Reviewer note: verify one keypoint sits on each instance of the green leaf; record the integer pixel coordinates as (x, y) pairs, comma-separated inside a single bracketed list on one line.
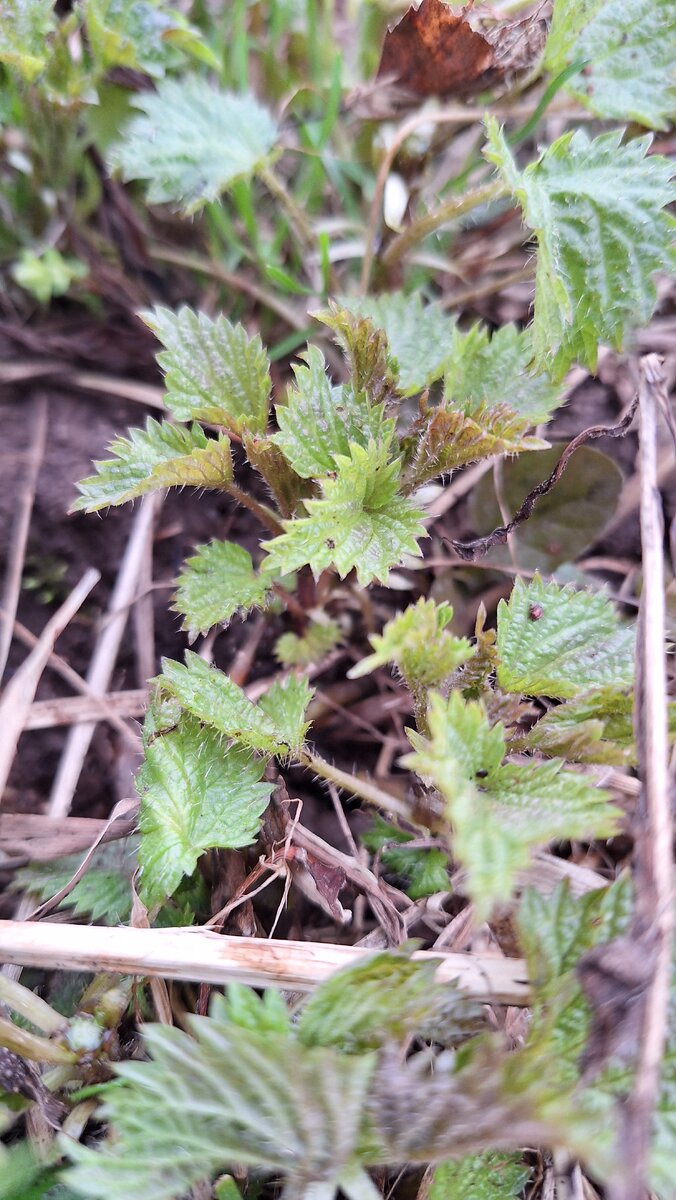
[(554, 641), (445, 438), (488, 1176), (556, 930), (193, 142), (496, 370), (500, 813), (160, 456), (360, 522), (628, 46), (213, 370), (594, 727), (366, 351), (419, 644), (103, 895), (244, 1007), (141, 35), (216, 582), (48, 274), (196, 793), (418, 335), (424, 872), (317, 641), (361, 1007), (565, 521), (25, 26), (597, 208), (318, 421), (274, 726), (239, 1096)]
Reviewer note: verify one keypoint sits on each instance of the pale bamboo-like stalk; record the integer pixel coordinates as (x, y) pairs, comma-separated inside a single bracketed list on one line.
[(201, 955)]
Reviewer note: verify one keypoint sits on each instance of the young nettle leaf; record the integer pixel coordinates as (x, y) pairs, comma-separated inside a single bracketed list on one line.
[(500, 812), (286, 485), (361, 522), (488, 1176), (275, 725), (102, 895), (418, 335), (363, 1006), (160, 456), (554, 641), (628, 49), (192, 142), (598, 210), (244, 1007), (319, 422), (496, 371), (317, 641), (594, 727), (366, 351), (142, 35), (25, 26), (424, 871), (445, 438), (238, 1096), (216, 582), (418, 642), (213, 370), (196, 793)]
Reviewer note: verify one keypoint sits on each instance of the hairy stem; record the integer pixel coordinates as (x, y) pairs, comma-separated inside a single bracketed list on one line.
[(355, 785), (265, 515), (432, 221), (299, 223)]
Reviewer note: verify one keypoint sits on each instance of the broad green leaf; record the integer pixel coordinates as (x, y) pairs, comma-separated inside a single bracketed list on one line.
[(196, 793), (160, 456), (488, 1176), (238, 1096), (418, 335), (496, 370), (594, 727), (191, 142), (359, 1008), (598, 210), (216, 582), (445, 438), (317, 641), (213, 370), (629, 47), (419, 644), (275, 726), (25, 26), (142, 35), (103, 895), (564, 522), (423, 871), (554, 641), (500, 812), (244, 1007), (361, 521), (319, 421)]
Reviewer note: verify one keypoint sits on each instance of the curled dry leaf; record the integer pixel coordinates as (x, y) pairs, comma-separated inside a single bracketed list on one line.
[(437, 51)]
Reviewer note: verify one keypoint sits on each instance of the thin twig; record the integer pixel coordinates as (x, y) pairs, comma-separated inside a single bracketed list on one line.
[(37, 424), (450, 211)]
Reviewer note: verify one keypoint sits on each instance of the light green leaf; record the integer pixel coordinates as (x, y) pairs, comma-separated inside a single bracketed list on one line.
[(630, 50), (160, 456), (554, 641), (366, 350), (360, 1007), (192, 142), (142, 35), (418, 335), (488, 1176), (424, 871), (419, 644), (103, 895), (239, 1096), (445, 438), (598, 210), (318, 421), (496, 370), (500, 813), (317, 641), (48, 274), (594, 727), (274, 726), (244, 1007), (216, 582), (361, 521), (25, 26), (196, 793), (213, 370)]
